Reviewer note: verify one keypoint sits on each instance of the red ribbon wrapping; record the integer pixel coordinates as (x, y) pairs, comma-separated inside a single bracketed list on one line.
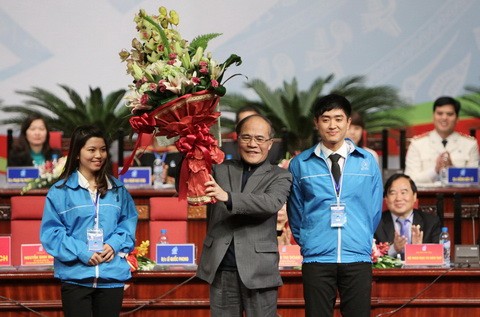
[(201, 151), (189, 117)]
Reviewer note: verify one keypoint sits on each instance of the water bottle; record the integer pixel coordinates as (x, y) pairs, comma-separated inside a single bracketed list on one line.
[(157, 173), (172, 164), (54, 160), (444, 171), (445, 241), (163, 237), (444, 176)]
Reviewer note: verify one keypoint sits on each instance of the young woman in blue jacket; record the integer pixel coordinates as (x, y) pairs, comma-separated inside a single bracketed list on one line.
[(88, 226)]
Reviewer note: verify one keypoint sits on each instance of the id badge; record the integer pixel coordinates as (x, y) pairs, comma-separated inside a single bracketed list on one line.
[(95, 239), (338, 215)]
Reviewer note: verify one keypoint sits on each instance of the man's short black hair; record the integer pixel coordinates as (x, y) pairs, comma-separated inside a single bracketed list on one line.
[(247, 108), (330, 102), (446, 100), (394, 177)]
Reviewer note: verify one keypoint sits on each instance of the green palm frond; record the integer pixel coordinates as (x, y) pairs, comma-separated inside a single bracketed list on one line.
[(270, 99), (471, 102), (202, 41), (290, 109), (308, 97), (64, 115)]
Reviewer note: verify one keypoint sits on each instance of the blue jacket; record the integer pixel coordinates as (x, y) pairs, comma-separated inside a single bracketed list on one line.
[(69, 212), (313, 193)]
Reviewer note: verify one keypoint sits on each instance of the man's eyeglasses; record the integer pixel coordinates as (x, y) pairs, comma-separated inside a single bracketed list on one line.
[(246, 138)]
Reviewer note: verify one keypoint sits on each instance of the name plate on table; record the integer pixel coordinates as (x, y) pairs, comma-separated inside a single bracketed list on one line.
[(136, 176), (462, 176), (5, 251), (424, 254), (21, 175), (176, 254), (35, 255), (289, 256)]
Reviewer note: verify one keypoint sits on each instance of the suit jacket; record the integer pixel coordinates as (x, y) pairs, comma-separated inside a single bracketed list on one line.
[(251, 222), (429, 224)]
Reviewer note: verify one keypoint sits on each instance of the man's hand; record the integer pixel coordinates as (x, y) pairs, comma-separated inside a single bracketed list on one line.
[(214, 190), (282, 217), (417, 234), (285, 237), (399, 242)]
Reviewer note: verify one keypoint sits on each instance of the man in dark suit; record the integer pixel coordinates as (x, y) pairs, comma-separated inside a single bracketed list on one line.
[(240, 252), (403, 224)]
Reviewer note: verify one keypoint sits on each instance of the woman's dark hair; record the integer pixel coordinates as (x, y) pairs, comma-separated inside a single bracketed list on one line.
[(80, 136), (21, 147)]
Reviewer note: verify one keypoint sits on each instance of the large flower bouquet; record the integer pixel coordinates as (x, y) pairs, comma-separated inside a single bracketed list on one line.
[(49, 172), (175, 93)]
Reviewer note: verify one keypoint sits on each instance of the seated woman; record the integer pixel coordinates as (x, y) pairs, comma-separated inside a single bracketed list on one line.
[(32, 147), (355, 133)]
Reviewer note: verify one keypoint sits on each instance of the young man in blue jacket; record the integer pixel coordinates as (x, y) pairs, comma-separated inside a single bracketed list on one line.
[(333, 209)]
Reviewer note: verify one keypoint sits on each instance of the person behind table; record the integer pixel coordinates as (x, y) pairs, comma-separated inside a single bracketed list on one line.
[(231, 148), (240, 252), (88, 226), (333, 218), (355, 133), (32, 147), (284, 233), (169, 155), (244, 112), (402, 223), (442, 147)]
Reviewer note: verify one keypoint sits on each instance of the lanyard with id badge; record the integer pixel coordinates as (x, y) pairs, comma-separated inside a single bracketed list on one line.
[(338, 215), (95, 234)]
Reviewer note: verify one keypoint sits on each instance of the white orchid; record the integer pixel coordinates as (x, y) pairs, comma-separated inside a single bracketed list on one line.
[(161, 58)]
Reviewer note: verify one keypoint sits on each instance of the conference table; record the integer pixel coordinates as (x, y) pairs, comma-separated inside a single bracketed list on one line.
[(425, 291)]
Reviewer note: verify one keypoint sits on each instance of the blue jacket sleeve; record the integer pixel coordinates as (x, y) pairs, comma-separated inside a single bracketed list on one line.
[(123, 238), (377, 195), (295, 203)]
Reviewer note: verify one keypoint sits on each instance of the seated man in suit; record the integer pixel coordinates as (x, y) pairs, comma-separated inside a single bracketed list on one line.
[(401, 223)]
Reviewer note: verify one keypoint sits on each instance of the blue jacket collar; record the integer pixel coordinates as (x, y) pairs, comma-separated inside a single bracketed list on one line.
[(72, 181), (353, 150)]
